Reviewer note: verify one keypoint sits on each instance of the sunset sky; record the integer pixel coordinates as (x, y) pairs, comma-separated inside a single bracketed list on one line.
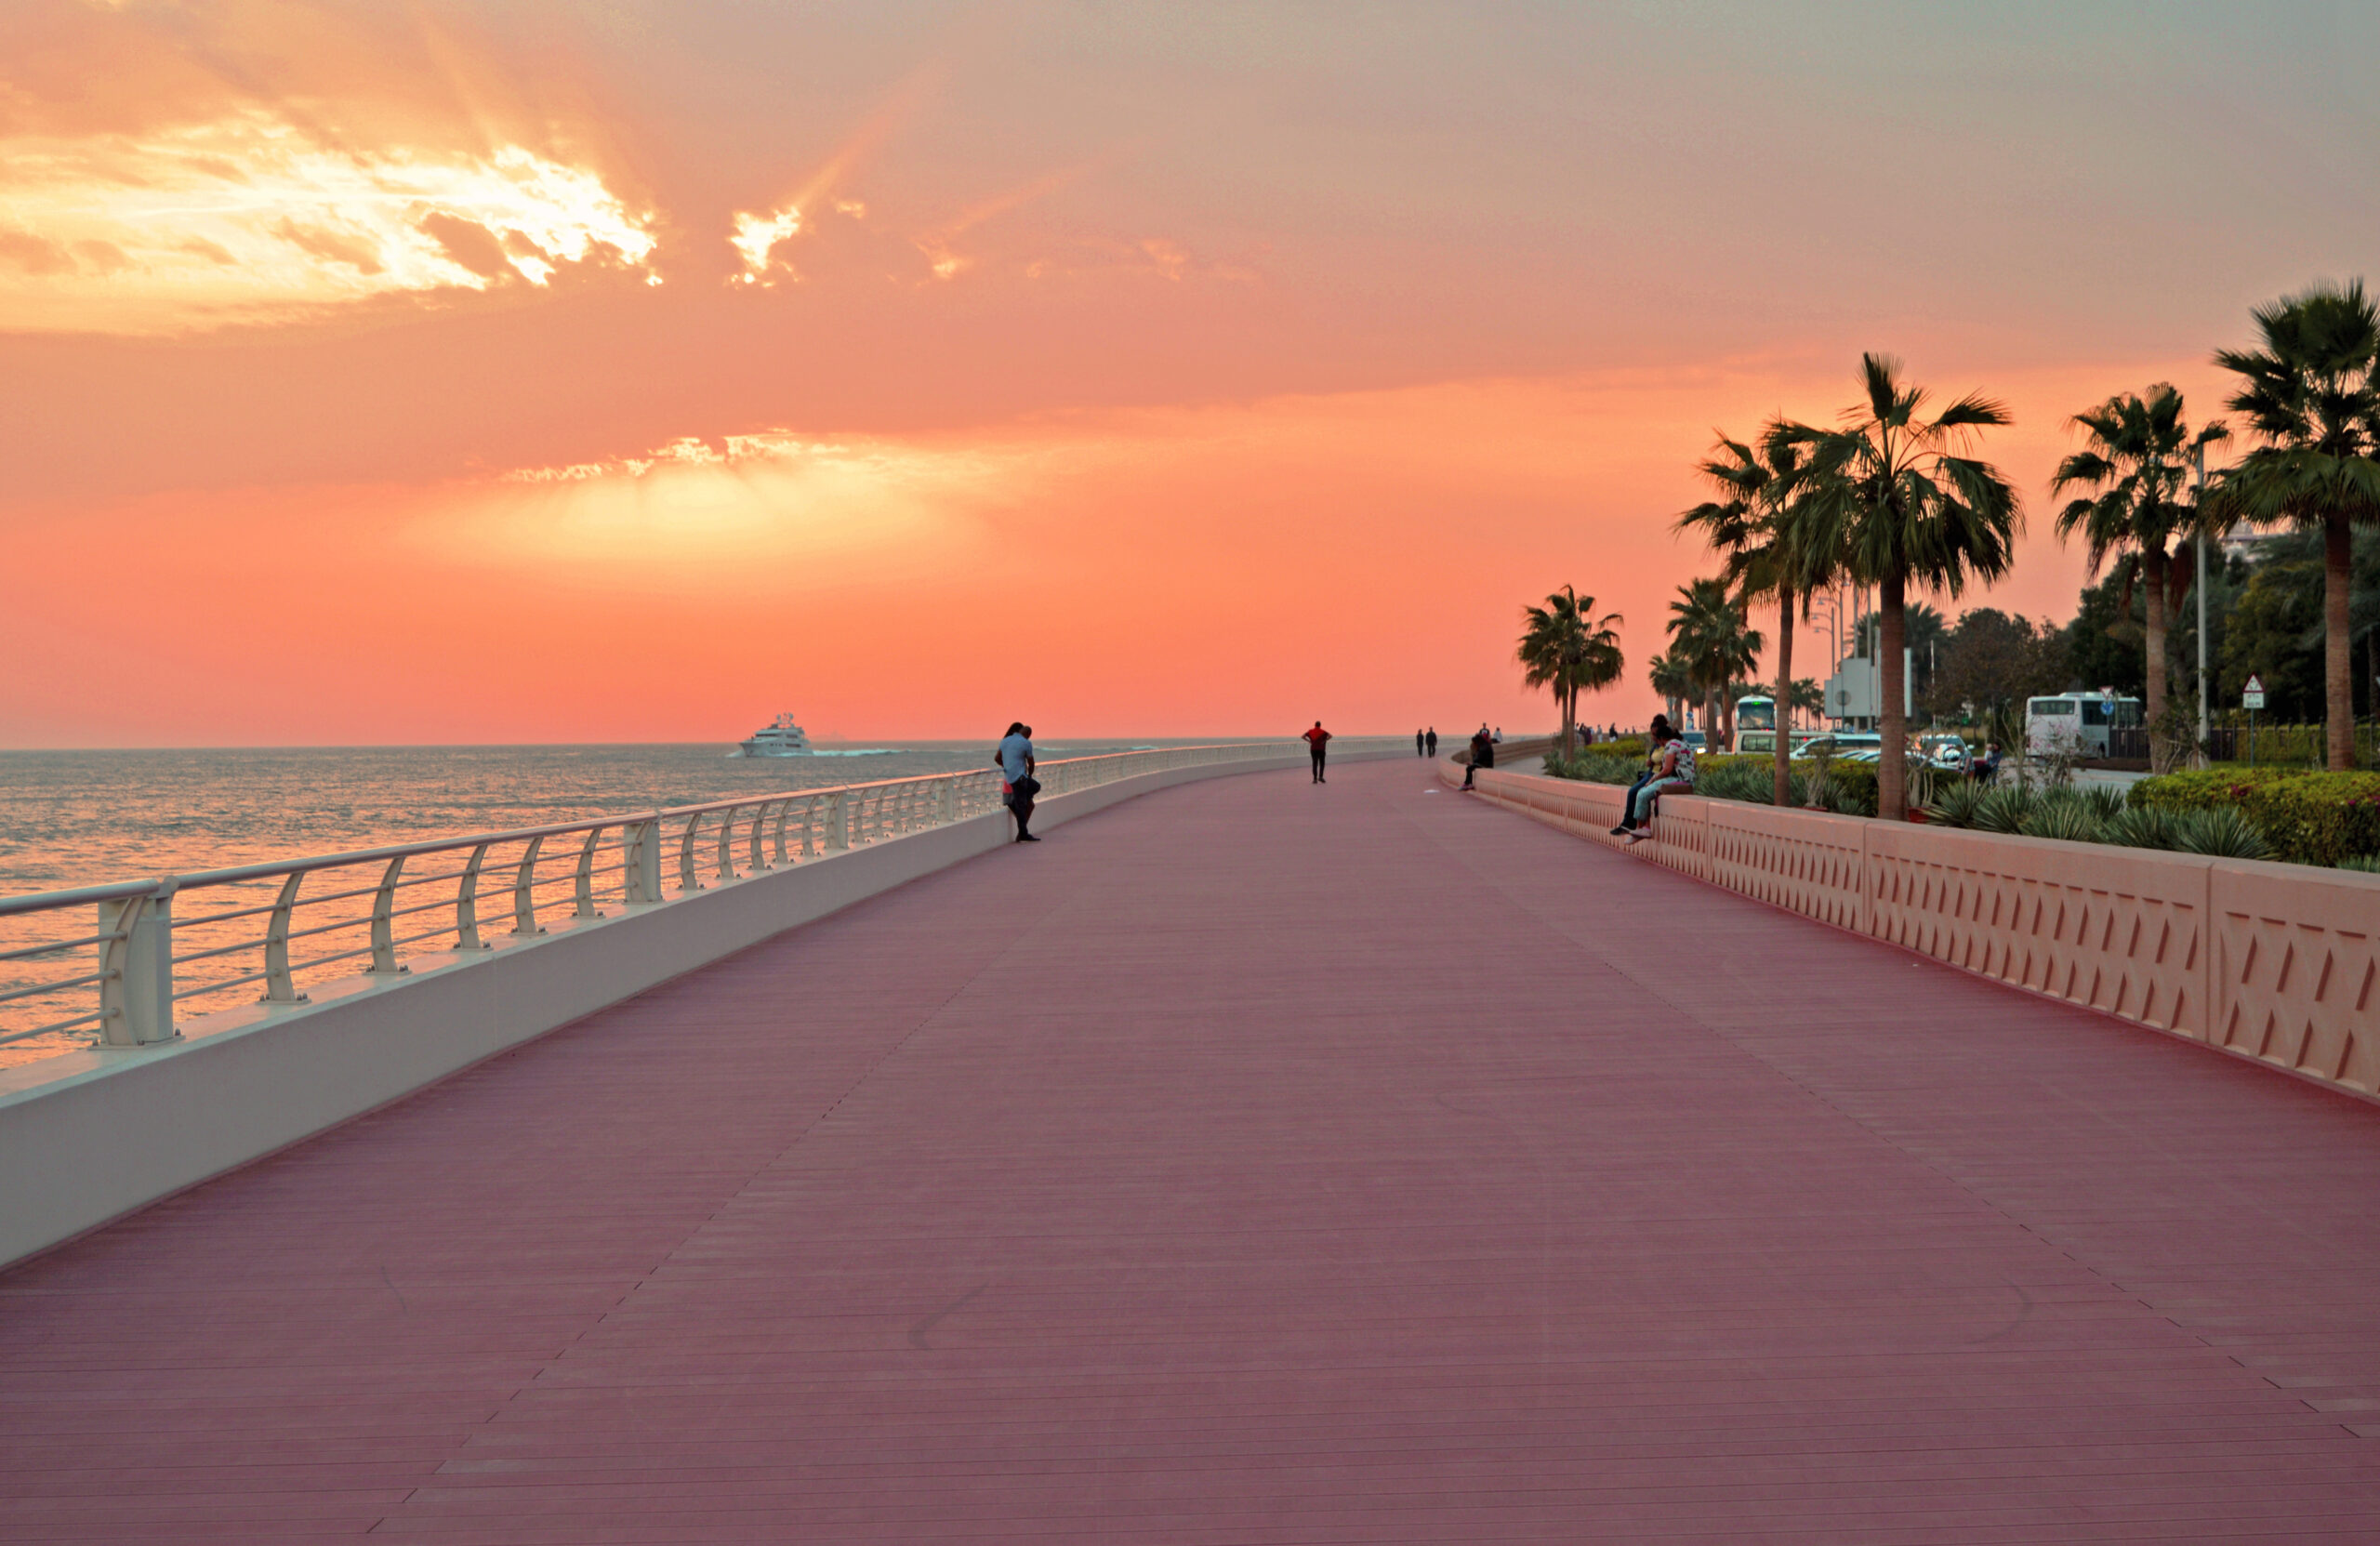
[(633, 369)]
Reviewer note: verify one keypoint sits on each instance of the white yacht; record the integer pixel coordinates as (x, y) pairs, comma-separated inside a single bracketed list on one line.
[(781, 737)]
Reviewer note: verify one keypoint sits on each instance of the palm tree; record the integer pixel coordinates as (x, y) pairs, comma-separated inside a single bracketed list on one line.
[(1670, 677), (1807, 697), (1710, 641), (1567, 648), (2135, 462), (2311, 396), (1759, 522), (1894, 498)]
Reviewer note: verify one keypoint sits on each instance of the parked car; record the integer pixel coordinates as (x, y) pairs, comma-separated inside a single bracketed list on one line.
[(1947, 753)]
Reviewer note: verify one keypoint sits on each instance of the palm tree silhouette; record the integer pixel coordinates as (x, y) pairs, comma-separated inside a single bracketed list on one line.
[(2311, 396), (1892, 494), (1760, 524), (2136, 456), (1668, 676), (1567, 648), (1710, 640)]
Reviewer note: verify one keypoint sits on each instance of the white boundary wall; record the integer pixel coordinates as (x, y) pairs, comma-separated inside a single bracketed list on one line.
[(90, 1136)]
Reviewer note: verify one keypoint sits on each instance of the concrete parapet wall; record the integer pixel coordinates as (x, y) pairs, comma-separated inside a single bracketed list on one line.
[(2275, 962), (90, 1136)]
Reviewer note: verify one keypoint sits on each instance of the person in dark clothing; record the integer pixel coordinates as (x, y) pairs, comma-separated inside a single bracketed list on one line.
[(1418, 750), (1316, 740), (1015, 761), (1483, 754), (1433, 741)]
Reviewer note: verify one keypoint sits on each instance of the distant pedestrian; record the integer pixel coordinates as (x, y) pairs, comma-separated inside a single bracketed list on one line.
[(1500, 736), (1316, 740), (1015, 760), (1418, 750), (1483, 754), (1434, 740)]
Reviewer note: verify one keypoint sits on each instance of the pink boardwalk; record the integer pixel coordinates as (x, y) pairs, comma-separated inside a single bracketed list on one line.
[(1256, 1162)]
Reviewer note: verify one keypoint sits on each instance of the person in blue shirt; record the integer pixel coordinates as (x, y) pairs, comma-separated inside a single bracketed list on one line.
[(1015, 760)]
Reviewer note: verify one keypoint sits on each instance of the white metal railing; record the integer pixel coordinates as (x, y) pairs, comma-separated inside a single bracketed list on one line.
[(287, 923)]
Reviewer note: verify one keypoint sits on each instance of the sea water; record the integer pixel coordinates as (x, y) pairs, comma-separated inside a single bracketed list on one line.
[(84, 818)]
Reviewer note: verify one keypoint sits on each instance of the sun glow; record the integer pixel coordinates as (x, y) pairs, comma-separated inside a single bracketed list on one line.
[(250, 218)]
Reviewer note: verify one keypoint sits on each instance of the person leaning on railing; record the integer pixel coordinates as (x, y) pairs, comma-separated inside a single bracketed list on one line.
[(1015, 760)]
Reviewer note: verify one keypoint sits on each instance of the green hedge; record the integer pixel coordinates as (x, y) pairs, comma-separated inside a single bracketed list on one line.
[(1748, 776), (2309, 818)]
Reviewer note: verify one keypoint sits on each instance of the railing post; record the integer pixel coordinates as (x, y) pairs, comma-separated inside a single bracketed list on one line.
[(584, 904), (760, 820), (137, 995), (278, 986), (467, 900), (949, 804), (838, 831), (524, 894), (384, 903), (643, 863), (726, 857), (686, 881)]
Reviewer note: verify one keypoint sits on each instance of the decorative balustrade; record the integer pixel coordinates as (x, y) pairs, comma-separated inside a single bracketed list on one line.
[(275, 927), (2276, 962)]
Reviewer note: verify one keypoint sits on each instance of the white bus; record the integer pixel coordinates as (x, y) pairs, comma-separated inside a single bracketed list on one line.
[(1755, 723), (2076, 724)]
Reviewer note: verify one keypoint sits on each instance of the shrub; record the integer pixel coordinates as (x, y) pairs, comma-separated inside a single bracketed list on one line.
[(1953, 804), (2144, 826), (2367, 863), (2002, 810), (2224, 832), (2307, 818), (1848, 787), (2105, 801), (2068, 820), (1591, 768)]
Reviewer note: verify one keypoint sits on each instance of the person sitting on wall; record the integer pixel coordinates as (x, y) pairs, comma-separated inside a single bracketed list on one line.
[(1483, 754), (1670, 767)]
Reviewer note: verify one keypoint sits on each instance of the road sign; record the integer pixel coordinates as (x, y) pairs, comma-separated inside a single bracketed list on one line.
[(2252, 694)]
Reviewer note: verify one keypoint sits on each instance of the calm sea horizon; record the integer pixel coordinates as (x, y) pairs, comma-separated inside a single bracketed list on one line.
[(84, 817)]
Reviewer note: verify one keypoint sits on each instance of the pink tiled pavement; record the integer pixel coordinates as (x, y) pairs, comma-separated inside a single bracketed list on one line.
[(1256, 1162)]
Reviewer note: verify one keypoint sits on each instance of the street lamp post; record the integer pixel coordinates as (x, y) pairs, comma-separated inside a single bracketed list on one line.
[(2198, 501)]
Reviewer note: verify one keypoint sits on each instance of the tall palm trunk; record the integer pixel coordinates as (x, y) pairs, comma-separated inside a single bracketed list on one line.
[(2338, 672), (1892, 766), (1784, 706), (2152, 569), (1569, 696)]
